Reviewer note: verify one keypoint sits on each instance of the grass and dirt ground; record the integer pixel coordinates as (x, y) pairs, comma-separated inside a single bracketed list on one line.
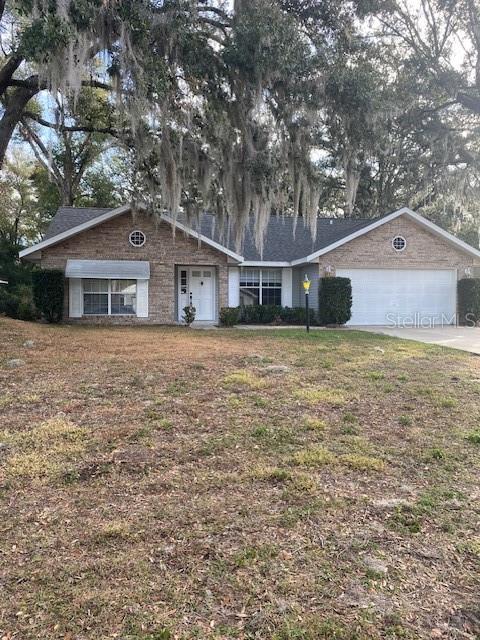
[(168, 483)]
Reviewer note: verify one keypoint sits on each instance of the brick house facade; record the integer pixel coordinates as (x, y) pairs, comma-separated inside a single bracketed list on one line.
[(400, 263), (164, 250)]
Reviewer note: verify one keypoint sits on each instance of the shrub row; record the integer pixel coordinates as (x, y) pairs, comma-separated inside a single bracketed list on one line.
[(265, 314), (335, 304)]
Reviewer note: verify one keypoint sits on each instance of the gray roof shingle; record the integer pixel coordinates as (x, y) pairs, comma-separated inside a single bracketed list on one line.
[(68, 217), (281, 243)]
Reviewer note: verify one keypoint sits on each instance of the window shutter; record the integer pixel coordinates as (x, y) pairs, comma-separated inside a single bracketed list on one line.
[(287, 287), (142, 298), (233, 287), (75, 306)]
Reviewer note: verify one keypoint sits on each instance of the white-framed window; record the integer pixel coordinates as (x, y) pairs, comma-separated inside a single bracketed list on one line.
[(102, 297), (137, 238), (260, 286), (399, 243)]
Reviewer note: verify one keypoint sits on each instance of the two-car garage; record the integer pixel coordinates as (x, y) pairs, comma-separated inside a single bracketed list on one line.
[(420, 297)]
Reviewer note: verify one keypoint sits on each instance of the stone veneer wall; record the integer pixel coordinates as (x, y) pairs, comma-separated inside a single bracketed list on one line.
[(109, 241)]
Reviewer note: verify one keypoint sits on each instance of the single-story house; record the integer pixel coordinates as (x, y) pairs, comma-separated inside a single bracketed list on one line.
[(126, 267)]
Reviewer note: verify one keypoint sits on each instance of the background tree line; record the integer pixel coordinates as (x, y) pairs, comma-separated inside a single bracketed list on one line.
[(312, 107)]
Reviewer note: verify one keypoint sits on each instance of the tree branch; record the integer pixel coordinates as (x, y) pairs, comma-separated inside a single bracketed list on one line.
[(62, 127), (33, 82), (8, 69), (37, 144)]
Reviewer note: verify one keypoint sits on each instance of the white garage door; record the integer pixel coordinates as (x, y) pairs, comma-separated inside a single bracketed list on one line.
[(424, 297)]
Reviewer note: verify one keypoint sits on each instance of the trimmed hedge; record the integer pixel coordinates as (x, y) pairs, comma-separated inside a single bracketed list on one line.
[(298, 316), (265, 314), (229, 316), (335, 300), (469, 301), (260, 314), (48, 293)]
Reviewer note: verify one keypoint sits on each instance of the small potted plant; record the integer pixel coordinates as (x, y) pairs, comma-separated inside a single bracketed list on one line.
[(189, 314)]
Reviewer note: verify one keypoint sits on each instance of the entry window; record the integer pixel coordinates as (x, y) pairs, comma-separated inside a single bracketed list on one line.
[(183, 281), (102, 297), (260, 286)]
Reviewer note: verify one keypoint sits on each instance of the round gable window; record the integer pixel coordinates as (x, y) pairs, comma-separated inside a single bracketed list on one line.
[(137, 238), (399, 243)]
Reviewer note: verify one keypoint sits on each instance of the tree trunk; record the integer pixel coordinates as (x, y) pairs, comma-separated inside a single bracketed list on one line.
[(352, 180), (11, 117)]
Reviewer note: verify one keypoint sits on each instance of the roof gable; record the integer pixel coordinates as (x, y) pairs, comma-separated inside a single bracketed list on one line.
[(286, 243), (374, 224), (94, 217)]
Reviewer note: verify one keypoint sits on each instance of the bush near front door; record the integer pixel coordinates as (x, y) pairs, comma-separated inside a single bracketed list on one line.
[(335, 300)]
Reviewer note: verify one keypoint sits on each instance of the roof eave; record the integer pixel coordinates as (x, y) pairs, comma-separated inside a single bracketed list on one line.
[(388, 218), (44, 244)]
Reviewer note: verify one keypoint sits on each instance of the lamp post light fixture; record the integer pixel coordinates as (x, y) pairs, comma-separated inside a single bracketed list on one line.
[(306, 288)]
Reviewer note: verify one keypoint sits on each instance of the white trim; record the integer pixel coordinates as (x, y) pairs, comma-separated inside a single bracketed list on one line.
[(378, 223), (75, 298), (233, 286), (259, 263), (74, 230), (104, 269), (266, 263), (142, 298), (287, 287), (117, 212)]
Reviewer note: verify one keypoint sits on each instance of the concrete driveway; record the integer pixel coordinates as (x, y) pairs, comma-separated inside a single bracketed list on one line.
[(463, 338)]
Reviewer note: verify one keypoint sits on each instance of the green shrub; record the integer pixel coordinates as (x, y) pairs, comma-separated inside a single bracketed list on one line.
[(297, 315), (469, 301), (189, 313), (48, 293), (260, 314), (229, 316), (18, 303), (335, 300), (8, 302), (272, 314)]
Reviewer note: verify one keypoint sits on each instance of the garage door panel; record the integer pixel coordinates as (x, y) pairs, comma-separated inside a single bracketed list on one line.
[(389, 296)]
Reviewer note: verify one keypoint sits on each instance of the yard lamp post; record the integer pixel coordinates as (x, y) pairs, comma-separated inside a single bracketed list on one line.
[(306, 287)]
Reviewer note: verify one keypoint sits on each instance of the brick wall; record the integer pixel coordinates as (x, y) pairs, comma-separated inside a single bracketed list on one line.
[(109, 241), (424, 250)]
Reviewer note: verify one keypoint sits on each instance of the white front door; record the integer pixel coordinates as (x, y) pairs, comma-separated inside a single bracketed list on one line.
[(197, 287), (398, 296)]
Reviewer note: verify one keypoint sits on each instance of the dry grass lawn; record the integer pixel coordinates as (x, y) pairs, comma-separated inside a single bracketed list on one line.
[(168, 483)]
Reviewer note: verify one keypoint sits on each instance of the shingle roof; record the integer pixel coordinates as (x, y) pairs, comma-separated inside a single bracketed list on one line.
[(281, 243), (68, 217)]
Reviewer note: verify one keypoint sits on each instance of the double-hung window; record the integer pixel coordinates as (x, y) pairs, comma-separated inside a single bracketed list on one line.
[(260, 286), (102, 297)]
